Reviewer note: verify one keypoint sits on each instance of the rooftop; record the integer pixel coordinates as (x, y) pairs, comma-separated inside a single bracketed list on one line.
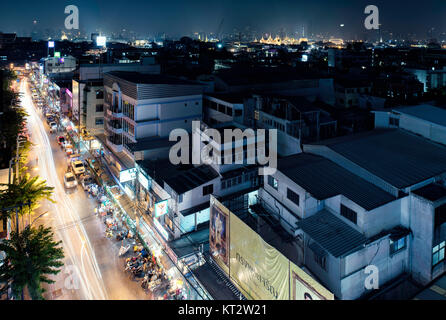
[(151, 143), (181, 178), (235, 98), (396, 156), (144, 78), (331, 233), (324, 179), (426, 112), (431, 192)]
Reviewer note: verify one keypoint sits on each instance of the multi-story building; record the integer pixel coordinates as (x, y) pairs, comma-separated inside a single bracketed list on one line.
[(348, 91), (143, 108), (296, 120), (366, 203), (431, 78), (88, 92)]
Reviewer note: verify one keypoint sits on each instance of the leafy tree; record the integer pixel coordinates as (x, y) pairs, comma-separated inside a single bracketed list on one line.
[(12, 121), (29, 190), (31, 256)]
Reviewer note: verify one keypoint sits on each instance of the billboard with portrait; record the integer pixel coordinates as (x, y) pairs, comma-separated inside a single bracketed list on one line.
[(219, 234), (304, 287), (258, 270)]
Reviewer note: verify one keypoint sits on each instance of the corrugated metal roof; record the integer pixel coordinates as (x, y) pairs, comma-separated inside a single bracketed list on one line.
[(398, 157), (331, 233), (426, 112), (191, 179), (324, 179)]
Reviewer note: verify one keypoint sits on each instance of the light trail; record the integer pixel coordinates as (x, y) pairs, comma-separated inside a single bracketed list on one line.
[(76, 244)]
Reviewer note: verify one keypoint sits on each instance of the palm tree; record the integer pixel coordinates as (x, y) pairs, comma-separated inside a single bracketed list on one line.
[(25, 194), (31, 256)]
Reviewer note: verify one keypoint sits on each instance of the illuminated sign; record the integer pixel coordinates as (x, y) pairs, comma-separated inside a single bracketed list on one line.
[(160, 228), (101, 41), (61, 60), (143, 180), (57, 54), (161, 208), (127, 175), (257, 269), (50, 44)]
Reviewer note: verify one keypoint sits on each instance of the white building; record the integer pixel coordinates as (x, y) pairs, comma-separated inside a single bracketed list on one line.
[(401, 164), (88, 92), (425, 120)]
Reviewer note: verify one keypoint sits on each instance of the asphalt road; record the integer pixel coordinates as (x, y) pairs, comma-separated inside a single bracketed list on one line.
[(93, 270)]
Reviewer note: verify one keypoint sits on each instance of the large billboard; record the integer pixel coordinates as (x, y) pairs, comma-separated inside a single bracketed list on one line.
[(304, 287), (258, 270), (219, 234)]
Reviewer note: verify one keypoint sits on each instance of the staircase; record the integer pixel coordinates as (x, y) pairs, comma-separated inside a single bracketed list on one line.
[(222, 276)]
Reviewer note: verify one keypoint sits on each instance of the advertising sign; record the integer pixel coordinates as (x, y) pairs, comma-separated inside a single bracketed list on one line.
[(160, 228), (161, 208), (50, 44), (304, 287), (257, 269), (57, 54), (143, 180), (219, 234), (127, 175)]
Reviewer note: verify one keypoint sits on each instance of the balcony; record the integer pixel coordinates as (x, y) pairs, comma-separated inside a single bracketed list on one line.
[(114, 111), (114, 141), (114, 126)]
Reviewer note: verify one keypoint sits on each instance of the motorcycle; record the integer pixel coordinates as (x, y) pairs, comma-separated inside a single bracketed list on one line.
[(123, 250)]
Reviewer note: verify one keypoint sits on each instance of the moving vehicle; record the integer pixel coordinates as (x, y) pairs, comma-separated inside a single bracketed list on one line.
[(78, 167), (69, 180)]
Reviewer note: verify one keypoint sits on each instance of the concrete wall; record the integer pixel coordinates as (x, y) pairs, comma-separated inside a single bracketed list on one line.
[(421, 224)]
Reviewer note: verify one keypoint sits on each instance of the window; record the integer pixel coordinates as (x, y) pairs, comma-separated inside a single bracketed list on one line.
[(349, 214), (99, 121), (223, 184), (99, 108), (99, 94), (397, 245), (394, 121), (180, 198), (293, 196), (208, 189), (273, 182), (438, 253)]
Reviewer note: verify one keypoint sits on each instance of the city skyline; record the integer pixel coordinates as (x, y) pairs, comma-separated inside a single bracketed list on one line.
[(175, 18)]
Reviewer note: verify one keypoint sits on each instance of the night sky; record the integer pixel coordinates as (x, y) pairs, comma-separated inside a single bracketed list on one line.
[(185, 16)]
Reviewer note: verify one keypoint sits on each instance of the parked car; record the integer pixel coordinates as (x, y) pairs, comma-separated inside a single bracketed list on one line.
[(61, 141), (49, 118), (69, 180), (78, 167), (86, 181), (53, 127), (68, 149)]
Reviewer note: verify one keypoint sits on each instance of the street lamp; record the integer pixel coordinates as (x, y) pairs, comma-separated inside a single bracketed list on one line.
[(43, 214)]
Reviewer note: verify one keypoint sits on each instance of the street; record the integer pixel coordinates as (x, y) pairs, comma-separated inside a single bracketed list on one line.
[(93, 270)]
